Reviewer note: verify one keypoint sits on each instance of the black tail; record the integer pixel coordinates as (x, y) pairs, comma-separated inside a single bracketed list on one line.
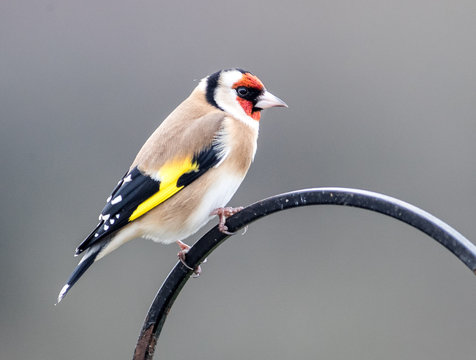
[(83, 265)]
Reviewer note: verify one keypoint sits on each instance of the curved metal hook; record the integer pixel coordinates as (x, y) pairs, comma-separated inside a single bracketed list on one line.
[(461, 247)]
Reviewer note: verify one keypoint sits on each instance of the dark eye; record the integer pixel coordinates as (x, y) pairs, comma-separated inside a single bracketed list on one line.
[(242, 91)]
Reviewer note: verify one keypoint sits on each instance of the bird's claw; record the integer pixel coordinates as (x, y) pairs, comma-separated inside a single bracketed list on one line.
[(184, 248), (224, 213), (224, 229)]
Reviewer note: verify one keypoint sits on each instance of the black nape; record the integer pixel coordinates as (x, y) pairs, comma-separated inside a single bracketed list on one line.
[(212, 83)]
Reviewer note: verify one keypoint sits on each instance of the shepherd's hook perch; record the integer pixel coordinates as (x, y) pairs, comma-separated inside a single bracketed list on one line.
[(451, 239)]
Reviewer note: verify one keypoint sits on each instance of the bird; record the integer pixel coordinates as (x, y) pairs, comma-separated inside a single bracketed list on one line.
[(186, 172)]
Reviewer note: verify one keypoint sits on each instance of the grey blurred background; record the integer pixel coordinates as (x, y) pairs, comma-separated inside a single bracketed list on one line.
[(381, 96)]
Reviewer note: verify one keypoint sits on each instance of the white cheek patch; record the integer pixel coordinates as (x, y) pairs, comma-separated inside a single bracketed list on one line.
[(225, 97)]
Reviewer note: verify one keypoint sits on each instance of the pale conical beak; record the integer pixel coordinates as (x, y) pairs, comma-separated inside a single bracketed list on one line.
[(267, 100)]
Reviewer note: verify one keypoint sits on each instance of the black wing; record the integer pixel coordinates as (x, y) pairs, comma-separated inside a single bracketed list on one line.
[(138, 189)]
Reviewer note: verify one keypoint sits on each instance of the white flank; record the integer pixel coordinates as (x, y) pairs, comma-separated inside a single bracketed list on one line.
[(220, 143), (217, 196)]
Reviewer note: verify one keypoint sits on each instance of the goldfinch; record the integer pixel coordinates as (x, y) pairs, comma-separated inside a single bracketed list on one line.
[(187, 171)]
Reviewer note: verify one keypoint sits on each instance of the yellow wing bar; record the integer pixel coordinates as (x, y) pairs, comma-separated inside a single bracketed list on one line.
[(168, 175)]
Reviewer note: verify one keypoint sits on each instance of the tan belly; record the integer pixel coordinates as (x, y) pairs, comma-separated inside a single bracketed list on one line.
[(189, 210)]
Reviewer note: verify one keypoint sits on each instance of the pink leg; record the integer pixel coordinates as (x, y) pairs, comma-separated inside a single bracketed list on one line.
[(181, 255), (224, 213)]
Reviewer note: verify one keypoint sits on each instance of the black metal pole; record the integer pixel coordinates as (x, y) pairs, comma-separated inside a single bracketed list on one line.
[(400, 210)]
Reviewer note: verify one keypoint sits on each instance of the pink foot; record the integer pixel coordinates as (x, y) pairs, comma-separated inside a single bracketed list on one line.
[(223, 213), (181, 255)]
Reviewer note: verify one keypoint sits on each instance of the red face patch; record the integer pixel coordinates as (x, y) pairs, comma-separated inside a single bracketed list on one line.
[(250, 81), (248, 108)]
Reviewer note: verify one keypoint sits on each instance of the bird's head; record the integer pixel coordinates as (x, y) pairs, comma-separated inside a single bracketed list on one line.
[(239, 93)]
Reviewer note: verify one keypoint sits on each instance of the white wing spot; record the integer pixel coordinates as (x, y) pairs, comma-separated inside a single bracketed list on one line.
[(112, 221), (116, 200), (128, 178), (117, 216), (108, 199), (106, 227), (96, 235), (106, 217)]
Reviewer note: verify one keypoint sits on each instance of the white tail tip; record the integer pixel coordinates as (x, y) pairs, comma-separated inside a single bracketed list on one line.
[(63, 292)]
